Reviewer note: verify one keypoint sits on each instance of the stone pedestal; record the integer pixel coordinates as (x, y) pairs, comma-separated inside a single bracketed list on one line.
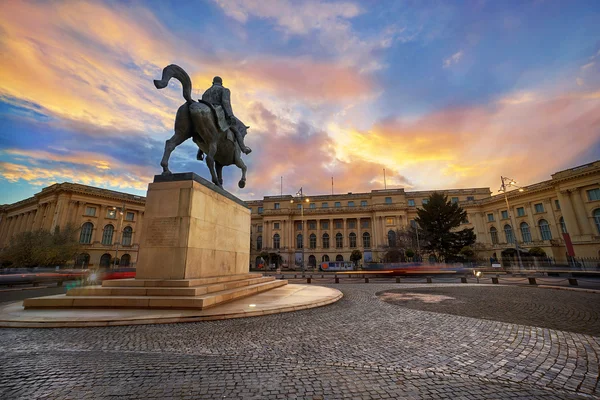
[(192, 229)]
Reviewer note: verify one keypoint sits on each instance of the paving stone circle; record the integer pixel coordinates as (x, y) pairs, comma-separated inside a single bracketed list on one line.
[(358, 348)]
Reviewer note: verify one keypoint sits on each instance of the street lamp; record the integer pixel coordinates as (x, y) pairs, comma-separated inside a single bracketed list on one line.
[(300, 195), (506, 182), (121, 212)]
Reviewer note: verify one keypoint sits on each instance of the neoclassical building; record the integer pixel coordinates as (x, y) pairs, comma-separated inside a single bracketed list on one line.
[(108, 221), (560, 215)]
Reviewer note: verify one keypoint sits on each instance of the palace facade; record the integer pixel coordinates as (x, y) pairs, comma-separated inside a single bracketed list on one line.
[(109, 222), (560, 215)]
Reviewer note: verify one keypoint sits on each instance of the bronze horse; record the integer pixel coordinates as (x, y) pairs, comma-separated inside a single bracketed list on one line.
[(196, 120)]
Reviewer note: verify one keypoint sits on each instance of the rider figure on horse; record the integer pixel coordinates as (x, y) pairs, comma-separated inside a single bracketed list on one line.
[(218, 95)]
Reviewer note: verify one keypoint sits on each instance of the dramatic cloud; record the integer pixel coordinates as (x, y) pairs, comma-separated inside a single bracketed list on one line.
[(338, 89), (460, 147)]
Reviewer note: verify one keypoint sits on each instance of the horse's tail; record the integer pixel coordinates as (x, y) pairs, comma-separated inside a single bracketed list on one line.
[(175, 71)]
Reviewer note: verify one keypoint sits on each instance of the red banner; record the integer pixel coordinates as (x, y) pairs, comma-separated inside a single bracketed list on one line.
[(570, 250)]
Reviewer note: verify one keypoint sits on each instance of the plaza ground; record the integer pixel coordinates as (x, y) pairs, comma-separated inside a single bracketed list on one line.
[(381, 340)]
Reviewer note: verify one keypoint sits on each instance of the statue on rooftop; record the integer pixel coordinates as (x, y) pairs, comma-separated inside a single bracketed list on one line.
[(211, 125)]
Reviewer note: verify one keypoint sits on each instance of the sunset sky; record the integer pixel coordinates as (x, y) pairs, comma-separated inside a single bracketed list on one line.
[(441, 94)]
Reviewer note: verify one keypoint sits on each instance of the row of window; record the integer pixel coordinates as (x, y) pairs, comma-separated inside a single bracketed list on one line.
[(545, 232), (85, 236), (539, 208), (312, 239), (592, 195), (110, 213), (339, 240), (324, 225), (337, 204)]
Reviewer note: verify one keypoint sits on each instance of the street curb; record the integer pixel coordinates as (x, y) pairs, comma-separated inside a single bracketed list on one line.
[(569, 288), (25, 288)]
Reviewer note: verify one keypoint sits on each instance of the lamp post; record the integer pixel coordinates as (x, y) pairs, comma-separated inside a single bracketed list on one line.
[(300, 195), (503, 188), (121, 212)]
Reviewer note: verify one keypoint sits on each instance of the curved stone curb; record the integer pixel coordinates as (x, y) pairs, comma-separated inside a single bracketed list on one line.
[(569, 288), (285, 299)]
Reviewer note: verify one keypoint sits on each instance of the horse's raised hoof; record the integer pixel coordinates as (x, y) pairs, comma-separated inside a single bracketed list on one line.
[(242, 184)]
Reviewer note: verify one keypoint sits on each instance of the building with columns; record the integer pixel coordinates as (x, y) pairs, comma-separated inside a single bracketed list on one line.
[(108, 221), (560, 215)]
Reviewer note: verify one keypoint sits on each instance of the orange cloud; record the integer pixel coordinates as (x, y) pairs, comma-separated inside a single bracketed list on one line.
[(40, 168), (472, 146), (70, 58)]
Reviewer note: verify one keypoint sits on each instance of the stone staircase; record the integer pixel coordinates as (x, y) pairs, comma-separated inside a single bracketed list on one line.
[(196, 294)]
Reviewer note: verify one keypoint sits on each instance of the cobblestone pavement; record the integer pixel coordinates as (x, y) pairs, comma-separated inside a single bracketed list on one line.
[(557, 309), (359, 347)]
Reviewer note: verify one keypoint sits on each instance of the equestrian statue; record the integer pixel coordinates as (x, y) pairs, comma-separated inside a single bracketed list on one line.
[(211, 125)]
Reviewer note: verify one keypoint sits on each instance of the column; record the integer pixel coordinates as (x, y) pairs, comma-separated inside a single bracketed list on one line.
[(480, 227), (267, 234), (5, 230), (38, 217), (554, 229), (585, 220), (319, 238), (118, 225), (568, 212), (11, 228), (32, 221), (374, 235), (50, 216), (28, 221), (346, 240), (62, 217), (21, 223)]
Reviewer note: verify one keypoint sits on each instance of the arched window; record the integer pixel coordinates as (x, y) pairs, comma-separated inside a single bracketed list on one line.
[(125, 260), (508, 234), (352, 237), (563, 226), (312, 241), (597, 219), (83, 260), (392, 239), (299, 242), (259, 243), (494, 235), (105, 260), (366, 240), (339, 241), (545, 230), (86, 233), (312, 260), (107, 235), (325, 258), (127, 234), (325, 240), (525, 232), (339, 257), (276, 241)]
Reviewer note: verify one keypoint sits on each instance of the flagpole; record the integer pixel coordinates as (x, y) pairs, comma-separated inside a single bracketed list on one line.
[(384, 182)]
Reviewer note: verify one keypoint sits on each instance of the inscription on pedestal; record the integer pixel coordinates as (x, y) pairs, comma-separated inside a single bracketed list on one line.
[(163, 232)]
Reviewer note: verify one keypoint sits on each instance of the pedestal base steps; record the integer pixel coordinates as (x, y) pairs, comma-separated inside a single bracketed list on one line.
[(196, 294)]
